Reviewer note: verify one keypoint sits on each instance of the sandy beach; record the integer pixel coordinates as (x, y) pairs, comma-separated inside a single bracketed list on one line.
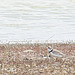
[(32, 59)]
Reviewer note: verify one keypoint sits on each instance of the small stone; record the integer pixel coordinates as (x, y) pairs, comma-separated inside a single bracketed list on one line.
[(41, 70)]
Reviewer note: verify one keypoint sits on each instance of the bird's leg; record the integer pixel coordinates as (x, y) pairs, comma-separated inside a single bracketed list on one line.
[(49, 56)]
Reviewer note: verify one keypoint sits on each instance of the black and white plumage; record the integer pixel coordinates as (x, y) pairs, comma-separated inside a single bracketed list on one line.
[(54, 52)]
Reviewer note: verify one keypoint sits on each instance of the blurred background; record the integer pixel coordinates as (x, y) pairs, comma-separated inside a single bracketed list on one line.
[(22, 20)]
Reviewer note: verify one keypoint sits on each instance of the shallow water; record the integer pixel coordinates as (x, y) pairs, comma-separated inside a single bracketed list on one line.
[(37, 20)]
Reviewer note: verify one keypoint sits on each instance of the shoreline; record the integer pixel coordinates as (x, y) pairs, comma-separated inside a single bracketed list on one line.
[(38, 41)]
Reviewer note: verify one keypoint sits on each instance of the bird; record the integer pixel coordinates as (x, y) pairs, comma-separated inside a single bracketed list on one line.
[(54, 52)]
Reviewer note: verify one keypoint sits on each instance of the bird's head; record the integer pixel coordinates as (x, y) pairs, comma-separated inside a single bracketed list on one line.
[(49, 48)]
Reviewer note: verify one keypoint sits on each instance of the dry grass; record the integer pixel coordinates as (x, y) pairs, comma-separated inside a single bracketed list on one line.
[(32, 59)]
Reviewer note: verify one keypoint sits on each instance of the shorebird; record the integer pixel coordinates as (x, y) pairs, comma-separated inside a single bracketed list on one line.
[(54, 52)]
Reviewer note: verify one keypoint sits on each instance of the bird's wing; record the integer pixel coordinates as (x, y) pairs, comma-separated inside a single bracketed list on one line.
[(56, 54)]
